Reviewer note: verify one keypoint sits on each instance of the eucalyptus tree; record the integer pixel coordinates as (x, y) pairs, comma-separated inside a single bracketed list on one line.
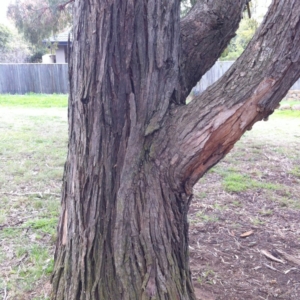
[(136, 148), (38, 19), (5, 35)]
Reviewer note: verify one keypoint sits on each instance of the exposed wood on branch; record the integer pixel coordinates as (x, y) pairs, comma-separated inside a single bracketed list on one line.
[(250, 90), (133, 158)]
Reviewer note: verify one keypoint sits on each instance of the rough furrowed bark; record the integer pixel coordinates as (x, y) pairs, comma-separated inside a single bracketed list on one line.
[(156, 248), (205, 33), (134, 154), (123, 231), (204, 131)]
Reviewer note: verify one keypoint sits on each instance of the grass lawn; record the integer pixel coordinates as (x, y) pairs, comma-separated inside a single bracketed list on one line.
[(33, 134), (33, 147), (34, 101)]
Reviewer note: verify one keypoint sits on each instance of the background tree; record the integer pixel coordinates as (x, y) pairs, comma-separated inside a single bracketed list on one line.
[(13, 48), (38, 20), (252, 17), (239, 43), (4, 36), (136, 149)]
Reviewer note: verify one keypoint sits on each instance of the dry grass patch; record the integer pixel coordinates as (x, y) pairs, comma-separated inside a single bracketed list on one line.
[(254, 189), (32, 154)]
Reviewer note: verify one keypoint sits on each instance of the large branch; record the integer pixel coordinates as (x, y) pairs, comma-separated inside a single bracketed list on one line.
[(205, 32), (204, 131)]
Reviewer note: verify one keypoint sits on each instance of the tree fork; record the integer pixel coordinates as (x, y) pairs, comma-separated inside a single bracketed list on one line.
[(135, 151), (205, 33), (205, 131)]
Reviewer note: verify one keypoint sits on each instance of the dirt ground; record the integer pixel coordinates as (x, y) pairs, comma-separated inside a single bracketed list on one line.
[(253, 192), (246, 244)]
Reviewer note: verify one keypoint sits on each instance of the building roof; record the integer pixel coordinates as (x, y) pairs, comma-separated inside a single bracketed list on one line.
[(61, 38)]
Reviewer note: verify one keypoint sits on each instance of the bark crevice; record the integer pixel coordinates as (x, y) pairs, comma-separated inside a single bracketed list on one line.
[(123, 231), (257, 81), (205, 33)]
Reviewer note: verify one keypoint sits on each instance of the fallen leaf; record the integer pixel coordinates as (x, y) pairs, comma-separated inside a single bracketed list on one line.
[(245, 234)]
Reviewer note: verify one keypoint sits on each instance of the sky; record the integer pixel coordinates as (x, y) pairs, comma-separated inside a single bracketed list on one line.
[(3, 10), (259, 8)]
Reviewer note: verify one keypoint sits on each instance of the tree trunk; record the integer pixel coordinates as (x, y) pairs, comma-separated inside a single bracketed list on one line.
[(135, 149)]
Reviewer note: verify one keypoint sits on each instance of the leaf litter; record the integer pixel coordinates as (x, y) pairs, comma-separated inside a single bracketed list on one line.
[(249, 239)]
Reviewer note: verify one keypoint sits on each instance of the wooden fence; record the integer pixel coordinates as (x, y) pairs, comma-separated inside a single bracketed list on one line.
[(35, 78), (217, 71), (53, 78)]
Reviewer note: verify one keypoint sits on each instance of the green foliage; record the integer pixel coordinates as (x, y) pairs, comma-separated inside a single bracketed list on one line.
[(13, 47), (243, 36), (186, 5), (38, 20), (239, 43), (5, 34), (37, 55)]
